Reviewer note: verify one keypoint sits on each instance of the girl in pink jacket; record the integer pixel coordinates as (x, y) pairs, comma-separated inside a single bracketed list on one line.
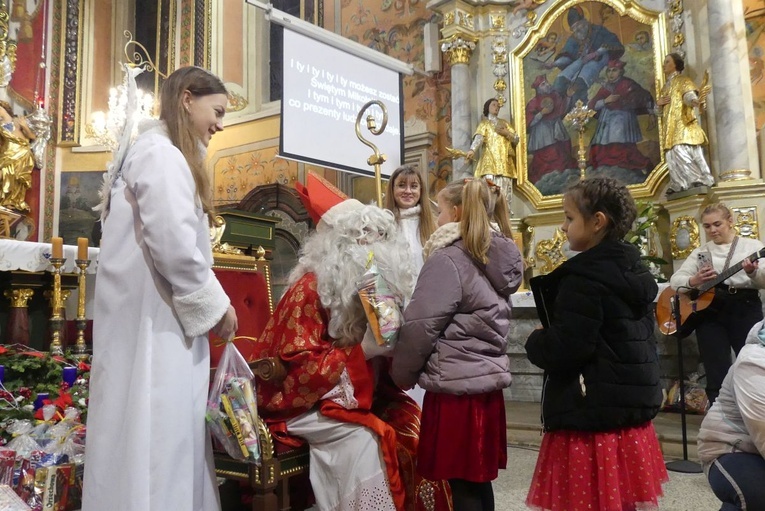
[(453, 342)]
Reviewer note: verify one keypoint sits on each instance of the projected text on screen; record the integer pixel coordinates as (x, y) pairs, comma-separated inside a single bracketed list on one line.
[(324, 90)]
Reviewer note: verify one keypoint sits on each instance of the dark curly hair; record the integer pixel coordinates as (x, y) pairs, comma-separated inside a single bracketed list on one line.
[(610, 198), (679, 62)]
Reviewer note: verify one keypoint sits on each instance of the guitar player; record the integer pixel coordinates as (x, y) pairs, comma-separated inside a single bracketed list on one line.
[(736, 306)]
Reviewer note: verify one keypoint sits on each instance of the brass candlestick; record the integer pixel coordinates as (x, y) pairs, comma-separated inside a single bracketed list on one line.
[(80, 348), (578, 117), (56, 320)]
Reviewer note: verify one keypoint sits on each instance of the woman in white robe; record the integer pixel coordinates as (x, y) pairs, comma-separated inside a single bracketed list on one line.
[(156, 299)]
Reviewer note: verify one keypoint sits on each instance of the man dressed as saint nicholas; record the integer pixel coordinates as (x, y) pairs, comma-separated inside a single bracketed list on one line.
[(361, 430)]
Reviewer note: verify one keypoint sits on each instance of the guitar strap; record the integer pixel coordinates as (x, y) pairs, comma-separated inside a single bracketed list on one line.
[(730, 253)]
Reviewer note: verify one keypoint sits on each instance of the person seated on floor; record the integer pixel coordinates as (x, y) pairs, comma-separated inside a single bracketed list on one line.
[(356, 422), (731, 440)]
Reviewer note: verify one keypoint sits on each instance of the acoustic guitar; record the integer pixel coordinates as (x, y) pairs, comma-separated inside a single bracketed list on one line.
[(693, 302)]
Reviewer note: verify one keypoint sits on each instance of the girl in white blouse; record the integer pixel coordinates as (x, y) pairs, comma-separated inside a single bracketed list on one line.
[(736, 306), (407, 197)]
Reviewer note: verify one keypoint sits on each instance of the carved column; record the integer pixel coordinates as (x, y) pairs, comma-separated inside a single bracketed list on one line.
[(730, 115), (18, 319), (458, 44)]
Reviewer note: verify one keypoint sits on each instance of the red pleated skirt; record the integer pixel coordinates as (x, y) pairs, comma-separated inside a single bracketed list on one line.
[(620, 470), (462, 437)]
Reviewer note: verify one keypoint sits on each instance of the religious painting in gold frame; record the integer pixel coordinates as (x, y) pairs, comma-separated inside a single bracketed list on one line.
[(612, 60)]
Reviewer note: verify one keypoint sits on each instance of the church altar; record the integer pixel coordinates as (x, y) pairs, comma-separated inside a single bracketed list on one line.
[(26, 275)]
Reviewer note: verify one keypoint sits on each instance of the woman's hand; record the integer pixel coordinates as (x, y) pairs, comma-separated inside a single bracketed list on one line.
[(228, 325), (749, 266), (704, 274)]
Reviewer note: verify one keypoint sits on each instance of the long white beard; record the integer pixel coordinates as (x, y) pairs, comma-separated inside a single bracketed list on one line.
[(338, 261)]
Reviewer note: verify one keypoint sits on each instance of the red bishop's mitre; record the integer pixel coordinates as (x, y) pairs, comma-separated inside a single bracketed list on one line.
[(324, 201)]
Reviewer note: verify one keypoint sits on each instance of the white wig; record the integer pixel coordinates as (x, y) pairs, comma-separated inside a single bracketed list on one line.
[(338, 257)]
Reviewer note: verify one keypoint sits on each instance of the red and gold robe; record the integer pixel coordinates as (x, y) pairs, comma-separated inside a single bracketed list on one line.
[(298, 335)]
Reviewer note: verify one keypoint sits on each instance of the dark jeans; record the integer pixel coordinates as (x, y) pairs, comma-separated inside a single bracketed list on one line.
[(737, 480), (724, 327)]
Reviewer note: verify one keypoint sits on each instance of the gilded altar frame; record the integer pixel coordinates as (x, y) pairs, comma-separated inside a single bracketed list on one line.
[(632, 18)]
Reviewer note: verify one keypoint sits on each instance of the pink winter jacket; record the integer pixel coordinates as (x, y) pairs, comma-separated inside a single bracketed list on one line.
[(455, 327)]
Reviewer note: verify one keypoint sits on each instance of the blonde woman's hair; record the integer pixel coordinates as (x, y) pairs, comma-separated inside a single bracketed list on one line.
[(500, 209), (199, 82), (718, 207), (427, 220), (476, 204)]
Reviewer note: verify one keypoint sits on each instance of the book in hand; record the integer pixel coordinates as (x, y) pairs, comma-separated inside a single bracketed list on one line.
[(537, 290)]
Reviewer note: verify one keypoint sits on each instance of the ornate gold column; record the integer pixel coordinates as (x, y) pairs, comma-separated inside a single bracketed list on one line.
[(18, 319)]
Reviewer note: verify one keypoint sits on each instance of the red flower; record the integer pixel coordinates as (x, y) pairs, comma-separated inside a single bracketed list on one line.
[(63, 401)]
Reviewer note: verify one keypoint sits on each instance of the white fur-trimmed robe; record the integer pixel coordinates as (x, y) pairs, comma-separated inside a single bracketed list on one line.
[(156, 298)]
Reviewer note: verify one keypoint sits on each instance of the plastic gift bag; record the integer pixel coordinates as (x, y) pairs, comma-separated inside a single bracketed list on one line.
[(696, 400), (381, 305), (232, 412)]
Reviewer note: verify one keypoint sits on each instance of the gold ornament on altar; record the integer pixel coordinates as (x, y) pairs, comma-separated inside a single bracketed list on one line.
[(578, 117), (551, 251), (216, 234)]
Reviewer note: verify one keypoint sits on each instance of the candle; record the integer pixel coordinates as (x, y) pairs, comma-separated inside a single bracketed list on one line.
[(82, 248), (69, 375), (2, 373), (57, 251), (42, 396)]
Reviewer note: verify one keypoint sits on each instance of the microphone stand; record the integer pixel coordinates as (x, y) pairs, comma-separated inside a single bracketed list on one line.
[(684, 465)]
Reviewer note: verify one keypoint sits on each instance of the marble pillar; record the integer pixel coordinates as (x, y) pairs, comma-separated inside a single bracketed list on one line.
[(459, 49), (731, 146)]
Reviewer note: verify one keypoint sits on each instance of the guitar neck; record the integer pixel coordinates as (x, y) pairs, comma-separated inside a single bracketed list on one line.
[(727, 273)]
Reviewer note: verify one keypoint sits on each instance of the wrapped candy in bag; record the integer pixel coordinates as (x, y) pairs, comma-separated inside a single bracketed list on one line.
[(232, 411), (382, 306)]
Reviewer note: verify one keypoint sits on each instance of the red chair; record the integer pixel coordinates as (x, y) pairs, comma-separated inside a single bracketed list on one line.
[(250, 294), (247, 282)]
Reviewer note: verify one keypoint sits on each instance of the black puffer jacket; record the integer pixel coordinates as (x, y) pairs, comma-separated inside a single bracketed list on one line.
[(598, 354)]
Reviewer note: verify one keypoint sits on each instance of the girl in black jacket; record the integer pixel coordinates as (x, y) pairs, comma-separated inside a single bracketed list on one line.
[(601, 386)]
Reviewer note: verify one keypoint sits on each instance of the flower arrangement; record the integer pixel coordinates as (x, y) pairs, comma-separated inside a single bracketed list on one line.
[(30, 376), (642, 235)]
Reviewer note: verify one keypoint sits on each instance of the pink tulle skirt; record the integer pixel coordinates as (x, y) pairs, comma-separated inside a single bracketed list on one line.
[(620, 470)]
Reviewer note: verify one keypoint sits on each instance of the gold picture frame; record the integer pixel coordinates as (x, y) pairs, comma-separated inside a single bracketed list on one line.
[(545, 49), (684, 236)]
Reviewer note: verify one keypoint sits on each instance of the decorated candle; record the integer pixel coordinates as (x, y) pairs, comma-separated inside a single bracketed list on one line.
[(82, 248), (41, 396), (69, 375), (57, 252)]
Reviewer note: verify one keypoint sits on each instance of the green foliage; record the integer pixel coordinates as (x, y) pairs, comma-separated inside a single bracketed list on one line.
[(640, 235), (40, 374), (29, 373)]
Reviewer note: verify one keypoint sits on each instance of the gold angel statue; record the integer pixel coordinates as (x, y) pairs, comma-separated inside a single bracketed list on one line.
[(16, 159)]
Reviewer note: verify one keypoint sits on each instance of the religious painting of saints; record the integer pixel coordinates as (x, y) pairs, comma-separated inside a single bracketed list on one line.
[(607, 55), (78, 196)]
